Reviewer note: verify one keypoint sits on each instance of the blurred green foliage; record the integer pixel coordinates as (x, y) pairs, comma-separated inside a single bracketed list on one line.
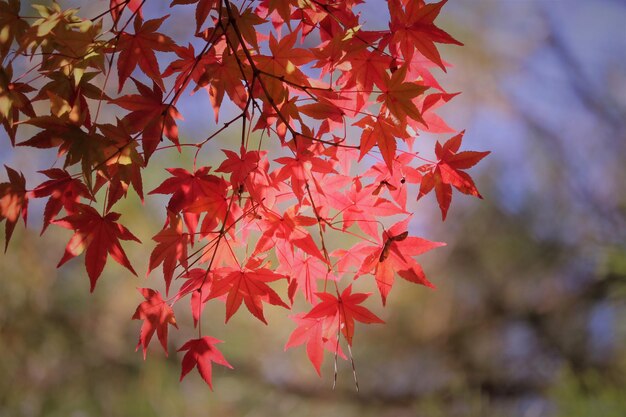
[(590, 394)]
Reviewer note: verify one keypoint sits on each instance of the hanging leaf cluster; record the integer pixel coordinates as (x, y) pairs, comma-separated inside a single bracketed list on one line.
[(318, 168)]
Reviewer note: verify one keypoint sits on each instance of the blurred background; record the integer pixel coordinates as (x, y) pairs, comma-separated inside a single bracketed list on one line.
[(529, 317)]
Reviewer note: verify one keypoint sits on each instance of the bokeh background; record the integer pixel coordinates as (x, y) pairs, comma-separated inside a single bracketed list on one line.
[(529, 318)]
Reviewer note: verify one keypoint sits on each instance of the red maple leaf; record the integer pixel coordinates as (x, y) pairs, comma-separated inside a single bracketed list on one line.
[(367, 69), (171, 249), (414, 28), (395, 184), (189, 67), (201, 353), (282, 8), (289, 230), (215, 205), (224, 77), (123, 163), (318, 334), (246, 21), (362, 205), (283, 62), (157, 315), (301, 168), (151, 116), (203, 9), (138, 48), (198, 283), (398, 96), (330, 115), (248, 285), (117, 7), (239, 166), (396, 256), (432, 122), (302, 270), (13, 202), (346, 307), (98, 235), (447, 172), (186, 188), (64, 191), (77, 144), (381, 131)]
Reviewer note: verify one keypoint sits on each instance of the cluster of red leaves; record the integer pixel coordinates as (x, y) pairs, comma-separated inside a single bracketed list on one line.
[(329, 97)]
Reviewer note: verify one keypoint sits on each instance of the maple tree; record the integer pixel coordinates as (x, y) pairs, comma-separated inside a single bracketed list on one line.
[(327, 117)]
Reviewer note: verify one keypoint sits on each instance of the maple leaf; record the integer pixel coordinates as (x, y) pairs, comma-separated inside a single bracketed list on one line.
[(138, 49), (287, 108), (219, 255), (367, 69), (74, 142), (74, 92), (198, 283), (414, 28), (64, 191), (331, 115), (13, 202), (302, 270), (123, 163), (362, 205), (116, 7), (283, 62), (189, 67), (309, 331), (13, 100), (260, 186), (239, 167), (203, 9), (348, 260), (281, 7), (201, 353), (318, 334), (340, 20), (288, 228), (395, 184), (433, 122), (225, 77), (399, 95), (50, 19), (346, 307), (248, 285), (301, 167), (383, 132), (75, 41), (98, 235), (447, 172), (215, 206), (151, 116), (171, 249), (329, 53), (246, 22), (13, 26), (157, 316), (186, 188), (396, 256)]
